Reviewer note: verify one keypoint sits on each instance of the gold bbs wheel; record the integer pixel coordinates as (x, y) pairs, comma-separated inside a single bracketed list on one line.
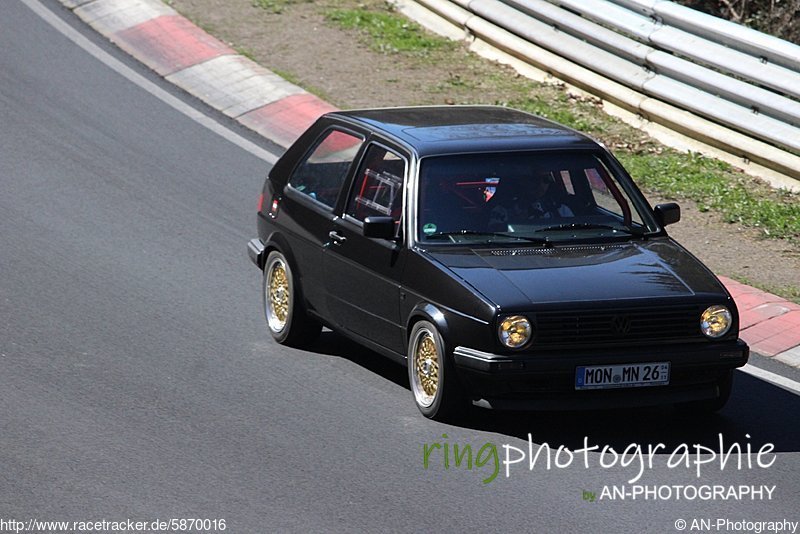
[(284, 309), (278, 295), (434, 383), (426, 367)]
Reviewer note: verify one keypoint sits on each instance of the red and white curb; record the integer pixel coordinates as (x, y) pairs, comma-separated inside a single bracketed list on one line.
[(770, 324), (212, 71), (155, 34)]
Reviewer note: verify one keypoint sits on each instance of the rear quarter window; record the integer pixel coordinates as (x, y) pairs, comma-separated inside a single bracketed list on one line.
[(322, 172)]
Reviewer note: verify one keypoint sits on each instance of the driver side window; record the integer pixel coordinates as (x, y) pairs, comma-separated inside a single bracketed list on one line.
[(378, 187)]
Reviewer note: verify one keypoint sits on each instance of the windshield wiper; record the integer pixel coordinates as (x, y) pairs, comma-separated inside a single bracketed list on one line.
[(539, 240), (589, 226)]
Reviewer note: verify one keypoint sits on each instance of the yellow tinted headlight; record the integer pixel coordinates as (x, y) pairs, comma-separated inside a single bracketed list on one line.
[(716, 321), (515, 331)]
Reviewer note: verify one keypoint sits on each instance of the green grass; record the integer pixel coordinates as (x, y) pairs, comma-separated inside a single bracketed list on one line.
[(246, 52), (389, 32), (559, 108), (454, 81), (791, 292), (713, 185), (275, 6), (291, 78), (288, 76)]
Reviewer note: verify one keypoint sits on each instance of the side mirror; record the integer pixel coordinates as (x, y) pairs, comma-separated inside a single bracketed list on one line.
[(668, 213), (380, 227)]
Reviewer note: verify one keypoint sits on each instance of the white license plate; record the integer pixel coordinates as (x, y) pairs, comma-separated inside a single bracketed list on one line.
[(622, 376)]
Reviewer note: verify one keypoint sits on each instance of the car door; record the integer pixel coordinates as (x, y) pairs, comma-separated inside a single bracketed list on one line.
[(362, 274), (307, 208)]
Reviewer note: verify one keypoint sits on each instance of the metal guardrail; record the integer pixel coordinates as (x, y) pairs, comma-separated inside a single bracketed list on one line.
[(726, 85)]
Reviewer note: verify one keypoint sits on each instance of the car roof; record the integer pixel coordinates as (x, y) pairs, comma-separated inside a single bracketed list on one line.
[(437, 130)]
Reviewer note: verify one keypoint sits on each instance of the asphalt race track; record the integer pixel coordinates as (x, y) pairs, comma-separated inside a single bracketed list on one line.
[(138, 380)]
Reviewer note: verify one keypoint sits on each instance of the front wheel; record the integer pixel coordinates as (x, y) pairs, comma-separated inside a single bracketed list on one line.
[(283, 308), (436, 389)]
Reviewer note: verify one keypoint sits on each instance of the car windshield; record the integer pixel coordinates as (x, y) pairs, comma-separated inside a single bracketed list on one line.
[(524, 197)]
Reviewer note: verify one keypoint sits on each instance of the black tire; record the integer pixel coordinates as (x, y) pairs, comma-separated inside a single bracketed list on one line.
[(436, 389), (724, 387), (286, 317)]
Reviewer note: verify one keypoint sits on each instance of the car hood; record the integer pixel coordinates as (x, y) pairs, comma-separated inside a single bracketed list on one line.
[(519, 277)]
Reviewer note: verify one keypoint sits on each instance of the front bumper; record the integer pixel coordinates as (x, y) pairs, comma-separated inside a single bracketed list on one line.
[(547, 380)]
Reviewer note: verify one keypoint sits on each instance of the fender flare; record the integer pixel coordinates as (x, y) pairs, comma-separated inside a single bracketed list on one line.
[(277, 241), (431, 313)]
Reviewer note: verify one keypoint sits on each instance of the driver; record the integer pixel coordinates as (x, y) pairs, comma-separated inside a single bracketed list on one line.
[(526, 201)]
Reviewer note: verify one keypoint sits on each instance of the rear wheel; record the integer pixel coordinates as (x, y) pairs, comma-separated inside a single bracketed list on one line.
[(286, 317), (436, 389)]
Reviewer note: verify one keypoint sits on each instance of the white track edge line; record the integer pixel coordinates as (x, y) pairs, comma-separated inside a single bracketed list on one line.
[(772, 378), (73, 35)]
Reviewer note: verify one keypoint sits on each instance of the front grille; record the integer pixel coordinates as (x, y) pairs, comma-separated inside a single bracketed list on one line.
[(618, 326)]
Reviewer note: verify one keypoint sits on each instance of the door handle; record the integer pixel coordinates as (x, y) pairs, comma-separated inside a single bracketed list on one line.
[(336, 238)]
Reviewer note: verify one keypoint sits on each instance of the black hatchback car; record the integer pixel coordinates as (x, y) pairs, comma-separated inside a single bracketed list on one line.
[(505, 259)]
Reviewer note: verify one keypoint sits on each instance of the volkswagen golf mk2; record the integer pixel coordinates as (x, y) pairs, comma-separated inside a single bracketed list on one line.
[(504, 259)]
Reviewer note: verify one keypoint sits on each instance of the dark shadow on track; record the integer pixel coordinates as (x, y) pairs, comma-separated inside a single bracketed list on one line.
[(756, 408), (334, 344)]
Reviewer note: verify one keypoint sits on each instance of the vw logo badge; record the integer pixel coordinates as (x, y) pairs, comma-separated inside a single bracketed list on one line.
[(621, 324)]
